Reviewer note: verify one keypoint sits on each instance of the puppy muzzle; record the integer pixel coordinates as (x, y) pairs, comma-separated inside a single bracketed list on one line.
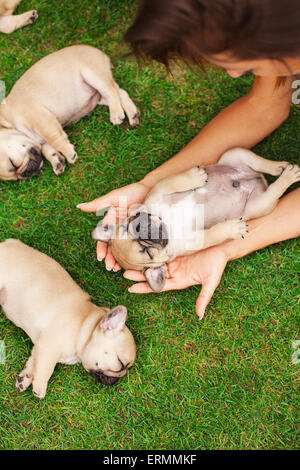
[(102, 378), (34, 165), (146, 228)]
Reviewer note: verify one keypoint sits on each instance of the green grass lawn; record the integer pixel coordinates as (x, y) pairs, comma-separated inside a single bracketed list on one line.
[(225, 382)]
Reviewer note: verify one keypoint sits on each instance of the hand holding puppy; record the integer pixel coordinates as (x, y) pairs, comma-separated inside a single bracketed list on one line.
[(118, 201)]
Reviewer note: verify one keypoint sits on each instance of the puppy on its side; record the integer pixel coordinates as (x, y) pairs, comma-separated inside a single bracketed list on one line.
[(58, 90), (10, 22), (40, 297)]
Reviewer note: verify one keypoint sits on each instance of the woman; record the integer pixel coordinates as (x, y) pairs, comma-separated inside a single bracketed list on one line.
[(240, 36)]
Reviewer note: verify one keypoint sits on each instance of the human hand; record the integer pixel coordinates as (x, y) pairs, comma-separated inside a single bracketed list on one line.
[(118, 201), (205, 267)]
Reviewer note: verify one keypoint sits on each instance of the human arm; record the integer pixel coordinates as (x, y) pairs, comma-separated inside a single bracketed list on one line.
[(244, 123)]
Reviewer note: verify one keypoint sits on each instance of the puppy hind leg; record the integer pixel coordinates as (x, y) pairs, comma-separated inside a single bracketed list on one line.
[(130, 108), (266, 202), (57, 161), (109, 92), (239, 156)]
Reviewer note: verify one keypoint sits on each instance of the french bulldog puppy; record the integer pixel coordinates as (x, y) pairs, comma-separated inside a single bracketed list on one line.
[(190, 211), (58, 90), (40, 297), (10, 22)]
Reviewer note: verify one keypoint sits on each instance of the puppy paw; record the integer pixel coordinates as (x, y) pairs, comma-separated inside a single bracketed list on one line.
[(70, 154), (23, 381), (237, 228), (39, 391), (58, 163), (33, 16), (30, 17), (134, 120), (291, 173), (198, 176), (277, 168), (117, 117)]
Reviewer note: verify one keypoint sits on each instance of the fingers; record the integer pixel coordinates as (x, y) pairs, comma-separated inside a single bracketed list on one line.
[(140, 288), (144, 288), (208, 288), (110, 217), (134, 275), (104, 251), (101, 250), (95, 205), (117, 267)]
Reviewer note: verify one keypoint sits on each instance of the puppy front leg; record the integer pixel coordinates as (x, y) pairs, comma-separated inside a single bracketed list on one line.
[(44, 123), (228, 230), (24, 379), (10, 23), (266, 202), (44, 364), (193, 178), (57, 161)]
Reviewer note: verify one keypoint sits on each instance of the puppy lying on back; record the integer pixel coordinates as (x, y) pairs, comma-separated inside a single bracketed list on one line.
[(10, 22), (40, 297), (58, 90), (196, 209)]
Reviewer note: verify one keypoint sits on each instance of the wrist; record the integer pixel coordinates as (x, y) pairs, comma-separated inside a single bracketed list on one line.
[(149, 180), (229, 250)]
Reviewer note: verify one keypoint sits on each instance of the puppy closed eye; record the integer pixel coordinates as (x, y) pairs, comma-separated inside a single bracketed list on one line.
[(15, 167)]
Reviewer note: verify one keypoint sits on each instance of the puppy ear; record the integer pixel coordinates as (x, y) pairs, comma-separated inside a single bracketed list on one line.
[(156, 277), (114, 320), (103, 233)]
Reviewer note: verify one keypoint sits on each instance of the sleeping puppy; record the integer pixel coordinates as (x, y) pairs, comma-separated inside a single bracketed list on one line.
[(40, 297), (10, 22), (58, 90), (196, 209)]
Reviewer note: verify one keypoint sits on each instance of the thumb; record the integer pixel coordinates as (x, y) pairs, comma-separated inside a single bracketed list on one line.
[(207, 291)]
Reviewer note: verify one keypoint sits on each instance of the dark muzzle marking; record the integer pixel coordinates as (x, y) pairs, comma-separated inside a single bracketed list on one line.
[(144, 230), (34, 164), (102, 378)]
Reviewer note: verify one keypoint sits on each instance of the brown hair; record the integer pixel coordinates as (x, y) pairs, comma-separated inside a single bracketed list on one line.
[(191, 29)]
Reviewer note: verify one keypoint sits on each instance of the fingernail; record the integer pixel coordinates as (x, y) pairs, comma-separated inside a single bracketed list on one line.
[(79, 205), (108, 269), (99, 259), (129, 290)]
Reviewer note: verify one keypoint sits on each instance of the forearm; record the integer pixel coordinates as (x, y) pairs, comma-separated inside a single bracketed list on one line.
[(281, 224), (242, 124)]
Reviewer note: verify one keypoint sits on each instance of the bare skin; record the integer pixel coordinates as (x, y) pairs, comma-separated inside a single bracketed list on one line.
[(244, 123)]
